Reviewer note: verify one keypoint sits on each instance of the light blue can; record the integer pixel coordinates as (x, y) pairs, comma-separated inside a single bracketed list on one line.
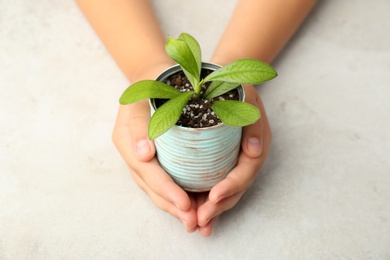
[(198, 158)]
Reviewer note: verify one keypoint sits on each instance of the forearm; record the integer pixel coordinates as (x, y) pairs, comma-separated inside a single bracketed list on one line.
[(260, 29), (131, 34)]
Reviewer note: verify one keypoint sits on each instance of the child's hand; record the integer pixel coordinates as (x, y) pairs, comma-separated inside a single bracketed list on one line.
[(196, 210), (256, 141), (130, 138)]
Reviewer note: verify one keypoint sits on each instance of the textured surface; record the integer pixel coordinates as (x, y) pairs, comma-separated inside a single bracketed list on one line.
[(66, 194)]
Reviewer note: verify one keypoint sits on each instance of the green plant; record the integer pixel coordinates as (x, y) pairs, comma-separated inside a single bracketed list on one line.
[(187, 53)]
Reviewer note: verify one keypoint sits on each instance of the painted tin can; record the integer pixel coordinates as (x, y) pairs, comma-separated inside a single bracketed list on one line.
[(198, 158)]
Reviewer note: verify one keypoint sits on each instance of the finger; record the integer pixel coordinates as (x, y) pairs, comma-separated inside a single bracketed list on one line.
[(252, 139), (193, 198), (209, 210), (151, 173), (194, 226), (255, 146), (155, 178), (248, 164), (188, 218), (207, 230), (132, 125), (252, 135), (228, 192), (239, 179), (158, 181)]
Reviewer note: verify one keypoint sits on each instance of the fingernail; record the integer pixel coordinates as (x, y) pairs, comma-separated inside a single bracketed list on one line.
[(220, 198), (143, 148), (211, 221), (254, 145), (207, 221)]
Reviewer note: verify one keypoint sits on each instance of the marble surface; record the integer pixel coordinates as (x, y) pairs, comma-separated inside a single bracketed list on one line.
[(324, 192)]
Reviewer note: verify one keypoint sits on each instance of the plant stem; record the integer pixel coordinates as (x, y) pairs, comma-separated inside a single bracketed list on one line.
[(198, 87)]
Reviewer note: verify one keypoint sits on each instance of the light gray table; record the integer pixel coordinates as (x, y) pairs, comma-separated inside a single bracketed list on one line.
[(324, 193)]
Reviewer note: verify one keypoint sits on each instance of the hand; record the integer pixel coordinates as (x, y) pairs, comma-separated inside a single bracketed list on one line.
[(255, 145), (130, 138), (194, 210)]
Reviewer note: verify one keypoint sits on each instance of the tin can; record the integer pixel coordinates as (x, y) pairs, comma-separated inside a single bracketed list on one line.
[(198, 158)]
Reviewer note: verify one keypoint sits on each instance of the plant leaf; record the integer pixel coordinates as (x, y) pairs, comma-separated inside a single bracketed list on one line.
[(243, 71), (195, 48), (192, 79), (167, 115), (236, 113), (147, 89), (218, 88), (180, 52)]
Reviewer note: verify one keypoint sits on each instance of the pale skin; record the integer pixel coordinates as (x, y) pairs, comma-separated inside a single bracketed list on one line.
[(258, 29)]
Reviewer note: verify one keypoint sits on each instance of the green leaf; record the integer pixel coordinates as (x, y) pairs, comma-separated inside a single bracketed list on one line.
[(218, 88), (244, 71), (147, 89), (167, 115), (192, 79), (236, 113), (180, 52), (195, 48)]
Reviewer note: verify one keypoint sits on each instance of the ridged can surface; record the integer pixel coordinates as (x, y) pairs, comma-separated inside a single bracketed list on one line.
[(198, 158)]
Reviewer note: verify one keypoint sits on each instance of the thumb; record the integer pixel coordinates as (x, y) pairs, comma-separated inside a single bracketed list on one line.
[(252, 144), (144, 150), (139, 119), (252, 135), (134, 121)]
